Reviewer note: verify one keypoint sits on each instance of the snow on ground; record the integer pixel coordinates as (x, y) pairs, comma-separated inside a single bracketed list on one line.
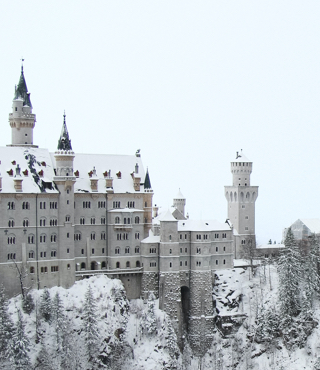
[(144, 342)]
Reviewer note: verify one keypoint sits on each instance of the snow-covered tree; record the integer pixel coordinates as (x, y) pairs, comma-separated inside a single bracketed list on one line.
[(311, 276), (6, 328), (46, 305), (90, 328), (28, 304), (148, 318), (290, 276), (20, 346), (59, 321), (44, 360)]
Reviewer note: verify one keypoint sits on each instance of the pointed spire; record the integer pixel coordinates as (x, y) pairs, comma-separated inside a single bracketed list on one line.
[(147, 182), (64, 142), (21, 91)]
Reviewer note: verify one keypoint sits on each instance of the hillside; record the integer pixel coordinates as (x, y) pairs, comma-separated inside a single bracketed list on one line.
[(137, 335)]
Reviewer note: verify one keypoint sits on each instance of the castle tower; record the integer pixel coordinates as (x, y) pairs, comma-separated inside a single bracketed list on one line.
[(169, 269), (147, 197), (179, 202), (22, 120), (65, 181), (241, 197)]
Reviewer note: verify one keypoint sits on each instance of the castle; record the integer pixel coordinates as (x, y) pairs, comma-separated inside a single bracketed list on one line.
[(66, 216)]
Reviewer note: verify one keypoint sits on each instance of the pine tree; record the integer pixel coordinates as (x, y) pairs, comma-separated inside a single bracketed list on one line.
[(44, 360), (21, 346), (148, 318), (6, 328), (311, 276), (28, 304), (290, 276), (90, 328), (46, 306), (59, 320)]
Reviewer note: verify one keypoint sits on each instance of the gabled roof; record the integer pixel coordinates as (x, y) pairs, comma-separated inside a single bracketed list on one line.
[(313, 224), (121, 167), (36, 166)]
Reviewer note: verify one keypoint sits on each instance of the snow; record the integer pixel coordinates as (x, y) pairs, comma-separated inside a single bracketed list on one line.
[(200, 225), (84, 163)]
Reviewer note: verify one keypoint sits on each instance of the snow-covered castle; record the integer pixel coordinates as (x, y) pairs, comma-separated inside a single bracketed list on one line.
[(66, 216)]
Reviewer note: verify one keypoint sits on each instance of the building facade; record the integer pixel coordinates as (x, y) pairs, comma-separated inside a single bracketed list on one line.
[(66, 216)]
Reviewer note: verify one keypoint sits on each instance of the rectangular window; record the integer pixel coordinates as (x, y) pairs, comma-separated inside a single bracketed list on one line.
[(54, 268)]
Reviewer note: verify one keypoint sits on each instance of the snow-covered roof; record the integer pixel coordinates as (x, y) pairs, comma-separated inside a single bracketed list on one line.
[(36, 169), (179, 195), (162, 215), (168, 216), (241, 157), (200, 225), (313, 224), (151, 238), (125, 164), (270, 246), (126, 210)]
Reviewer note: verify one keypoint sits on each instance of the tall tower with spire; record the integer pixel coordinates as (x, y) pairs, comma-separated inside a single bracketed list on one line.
[(22, 120), (241, 197)]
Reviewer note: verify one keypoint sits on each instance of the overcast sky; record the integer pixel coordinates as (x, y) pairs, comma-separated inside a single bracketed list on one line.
[(187, 82)]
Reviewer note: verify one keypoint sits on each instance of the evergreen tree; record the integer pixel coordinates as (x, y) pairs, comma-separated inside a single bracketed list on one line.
[(6, 328), (20, 346), (46, 306), (290, 276), (90, 328), (59, 320), (148, 318), (311, 276), (44, 360), (28, 304)]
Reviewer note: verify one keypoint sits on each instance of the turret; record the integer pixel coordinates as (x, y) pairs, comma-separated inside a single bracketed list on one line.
[(22, 120), (241, 197), (179, 202)]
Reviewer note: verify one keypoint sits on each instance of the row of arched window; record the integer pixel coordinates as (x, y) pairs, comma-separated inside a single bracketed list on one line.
[(126, 250), (92, 221), (127, 220), (128, 264)]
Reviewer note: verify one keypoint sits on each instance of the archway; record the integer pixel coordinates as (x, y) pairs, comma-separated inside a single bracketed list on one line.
[(93, 265), (185, 303)]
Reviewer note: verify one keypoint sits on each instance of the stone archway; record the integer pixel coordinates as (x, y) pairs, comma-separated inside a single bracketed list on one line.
[(93, 265)]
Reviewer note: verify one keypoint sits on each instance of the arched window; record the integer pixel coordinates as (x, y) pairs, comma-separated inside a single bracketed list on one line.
[(43, 238), (127, 264), (31, 254), (53, 238), (117, 250), (25, 222), (77, 236), (42, 222), (103, 265), (82, 221), (83, 266), (93, 220), (136, 219), (11, 223), (136, 250), (31, 270), (103, 235), (137, 263), (93, 236), (118, 265), (170, 264), (127, 250), (30, 239), (117, 220), (11, 239)]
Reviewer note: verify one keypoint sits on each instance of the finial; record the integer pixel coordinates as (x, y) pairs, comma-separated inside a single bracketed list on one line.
[(64, 116), (22, 60)]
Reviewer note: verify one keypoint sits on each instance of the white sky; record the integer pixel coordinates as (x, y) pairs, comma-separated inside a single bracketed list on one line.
[(187, 82)]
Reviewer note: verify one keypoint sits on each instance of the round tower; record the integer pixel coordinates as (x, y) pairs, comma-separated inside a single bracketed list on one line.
[(241, 197), (22, 120)]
